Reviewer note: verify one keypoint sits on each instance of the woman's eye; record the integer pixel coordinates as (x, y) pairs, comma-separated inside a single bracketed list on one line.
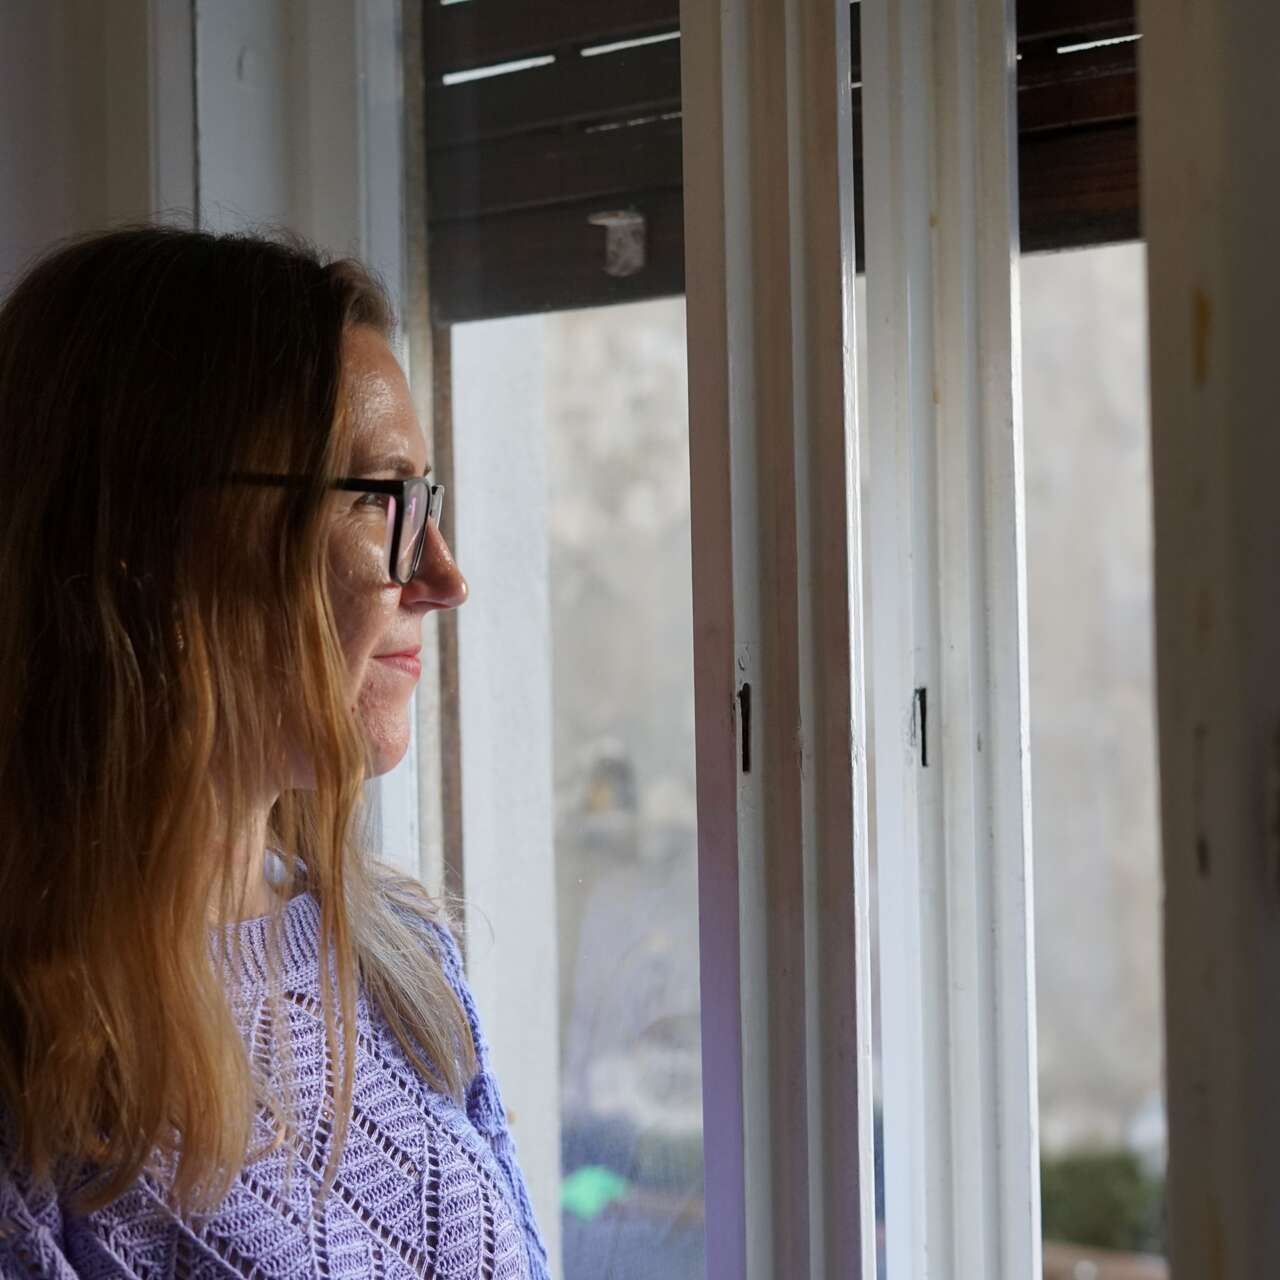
[(379, 500)]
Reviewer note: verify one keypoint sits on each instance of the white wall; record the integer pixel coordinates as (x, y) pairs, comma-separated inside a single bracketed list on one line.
[(245, 112), (36, 194), (300, 116), (75, 120)]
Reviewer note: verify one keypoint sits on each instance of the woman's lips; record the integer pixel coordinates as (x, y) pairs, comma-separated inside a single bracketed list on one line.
[(406, 661)]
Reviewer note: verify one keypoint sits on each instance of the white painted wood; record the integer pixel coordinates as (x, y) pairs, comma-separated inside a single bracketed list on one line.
[(946, 549), (246, 144), (782, 850), (326, 122), (1211, 185), (382, 138), (708, 278), (172, 102), (301, 123), (434, 703), (116, 89)]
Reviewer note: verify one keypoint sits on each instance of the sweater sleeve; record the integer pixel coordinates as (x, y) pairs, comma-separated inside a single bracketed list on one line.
[(485, 1109), (31, 1244)]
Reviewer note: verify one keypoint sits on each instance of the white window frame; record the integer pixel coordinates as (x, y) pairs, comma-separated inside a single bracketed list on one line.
[(948, 608), (782, 846)]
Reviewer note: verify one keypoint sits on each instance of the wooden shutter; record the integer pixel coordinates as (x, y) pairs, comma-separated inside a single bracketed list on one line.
[(519, 163)]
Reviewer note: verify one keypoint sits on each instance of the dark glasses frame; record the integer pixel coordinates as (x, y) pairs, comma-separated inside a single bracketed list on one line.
[(401, 490)]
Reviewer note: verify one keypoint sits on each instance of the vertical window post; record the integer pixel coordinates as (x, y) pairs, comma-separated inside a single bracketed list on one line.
[(946, 549), (781, 814), (1210, 191)]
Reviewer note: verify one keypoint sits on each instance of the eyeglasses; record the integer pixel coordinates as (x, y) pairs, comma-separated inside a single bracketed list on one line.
[(413, 504)]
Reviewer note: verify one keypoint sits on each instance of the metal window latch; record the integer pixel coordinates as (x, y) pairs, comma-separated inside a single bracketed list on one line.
[(624, 240), (920, 724)]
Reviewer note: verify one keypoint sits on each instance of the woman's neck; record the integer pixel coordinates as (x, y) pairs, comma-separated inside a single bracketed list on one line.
[(253, 893)]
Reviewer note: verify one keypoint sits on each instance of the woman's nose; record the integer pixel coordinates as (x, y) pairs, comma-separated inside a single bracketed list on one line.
[(439, 581)]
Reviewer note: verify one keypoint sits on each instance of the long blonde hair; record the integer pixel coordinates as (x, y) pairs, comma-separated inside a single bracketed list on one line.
[(158, 632)]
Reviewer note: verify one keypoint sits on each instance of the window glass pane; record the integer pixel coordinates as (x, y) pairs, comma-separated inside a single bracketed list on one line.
[(570, 444), (626, 845), (1094, 762)]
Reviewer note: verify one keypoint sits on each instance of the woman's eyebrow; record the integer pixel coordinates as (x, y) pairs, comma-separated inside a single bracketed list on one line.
[(399, 464)]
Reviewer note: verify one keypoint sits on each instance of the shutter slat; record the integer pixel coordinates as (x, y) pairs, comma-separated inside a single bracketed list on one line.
[(642, 81), (1082, 19), (527, 171), (483, 33), (1079, 188), (1077, 89)]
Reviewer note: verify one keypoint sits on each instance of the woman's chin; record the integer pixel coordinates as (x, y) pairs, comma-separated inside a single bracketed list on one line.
[(388, 744), (386, 733)]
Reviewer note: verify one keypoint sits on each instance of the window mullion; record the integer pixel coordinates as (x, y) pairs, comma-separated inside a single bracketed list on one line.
[(782, 853), (946, 546)]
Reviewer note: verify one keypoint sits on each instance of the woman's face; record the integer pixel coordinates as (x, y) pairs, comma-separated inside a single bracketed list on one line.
[(379, 622)]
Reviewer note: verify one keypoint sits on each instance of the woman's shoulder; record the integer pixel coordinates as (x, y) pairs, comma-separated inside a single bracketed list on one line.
[(409, 900), (432, 921)]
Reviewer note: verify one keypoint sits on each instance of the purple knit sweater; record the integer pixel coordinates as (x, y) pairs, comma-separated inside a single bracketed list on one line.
[(424, 1187)]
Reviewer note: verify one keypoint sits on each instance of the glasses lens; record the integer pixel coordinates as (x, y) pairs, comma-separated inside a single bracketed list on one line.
[(411, 534)]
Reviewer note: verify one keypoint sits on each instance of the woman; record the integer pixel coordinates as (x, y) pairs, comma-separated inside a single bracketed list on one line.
[(218, 549)]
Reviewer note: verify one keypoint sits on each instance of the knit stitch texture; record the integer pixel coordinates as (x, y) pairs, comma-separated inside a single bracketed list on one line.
[(425, 1187)]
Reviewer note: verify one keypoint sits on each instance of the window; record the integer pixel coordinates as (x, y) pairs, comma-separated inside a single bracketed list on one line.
[(626, 817), (579, 823), (541, 142)]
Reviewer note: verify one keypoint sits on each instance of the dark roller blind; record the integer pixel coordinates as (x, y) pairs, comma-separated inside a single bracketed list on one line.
[(519, 162)]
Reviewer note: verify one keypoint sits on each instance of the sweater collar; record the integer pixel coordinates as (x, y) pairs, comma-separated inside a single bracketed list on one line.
[(290, 935)]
